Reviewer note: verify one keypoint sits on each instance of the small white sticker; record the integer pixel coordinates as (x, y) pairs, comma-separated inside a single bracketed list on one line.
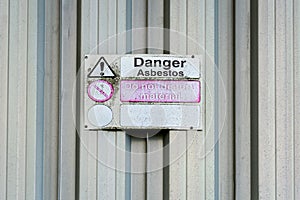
[(100, 115)]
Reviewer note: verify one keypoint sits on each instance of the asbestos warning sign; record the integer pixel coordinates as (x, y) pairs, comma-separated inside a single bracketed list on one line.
[(143, 92)]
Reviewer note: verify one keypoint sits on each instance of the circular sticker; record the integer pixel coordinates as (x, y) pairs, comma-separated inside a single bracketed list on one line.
[(100, 91), (100, 115)]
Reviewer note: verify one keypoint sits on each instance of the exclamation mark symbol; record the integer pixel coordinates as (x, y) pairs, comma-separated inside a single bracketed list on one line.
[(102, 68)]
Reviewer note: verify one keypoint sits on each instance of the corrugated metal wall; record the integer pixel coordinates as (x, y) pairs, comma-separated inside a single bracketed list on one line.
[(37, 158), (267, 99), (278, 99), (255, 84), (202, 171)]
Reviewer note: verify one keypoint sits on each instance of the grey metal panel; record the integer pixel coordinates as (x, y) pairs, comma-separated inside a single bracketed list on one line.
[(106, 165), (120, 165), (210, 71), (22, 124), (84, 189), (17, 87), (284, 102), (88, 165), (155, 22), (195, 184), (91, 167), (67, 132), (139, 24), (278, 99), (112, 26), (51, 99), (242, 99), (31, 145), (83, 155), (266, 79), (103, 22), (278, 69), (40, 99), (225, 81), (178, 9), (155, 167), (196, 140), (121, 27), (177, 176), (4, 41), (138, 168), (88, 139), (297, 97)]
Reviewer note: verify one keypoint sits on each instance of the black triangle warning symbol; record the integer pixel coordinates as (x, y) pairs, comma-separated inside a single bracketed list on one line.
[(101, 69)]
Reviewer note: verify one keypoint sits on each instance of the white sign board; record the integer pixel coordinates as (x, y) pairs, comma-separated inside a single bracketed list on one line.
[(160, 67), (142, 92)]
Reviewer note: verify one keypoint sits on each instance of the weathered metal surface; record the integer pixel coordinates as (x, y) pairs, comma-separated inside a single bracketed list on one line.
[(266, 79), (242, 99), (4, 51), (67, 128), (32, 32)]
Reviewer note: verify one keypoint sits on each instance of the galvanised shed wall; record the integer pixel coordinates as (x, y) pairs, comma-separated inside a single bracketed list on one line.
[(251, 67)]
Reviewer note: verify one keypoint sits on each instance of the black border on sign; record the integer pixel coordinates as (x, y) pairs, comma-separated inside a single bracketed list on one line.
[(89, 75)]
